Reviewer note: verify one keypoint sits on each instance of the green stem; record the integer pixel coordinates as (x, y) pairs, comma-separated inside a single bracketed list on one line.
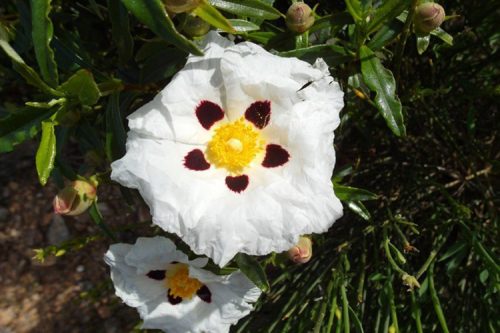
[(402, 41), (416, 312), (389, 255), (435, 300), (433, 254), (345, 308), (392, 306)]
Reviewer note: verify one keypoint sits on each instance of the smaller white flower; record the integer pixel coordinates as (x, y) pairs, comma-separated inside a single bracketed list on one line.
[(173, 293)]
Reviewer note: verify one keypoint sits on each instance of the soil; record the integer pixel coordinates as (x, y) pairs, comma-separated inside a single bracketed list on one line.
[(70, 293)]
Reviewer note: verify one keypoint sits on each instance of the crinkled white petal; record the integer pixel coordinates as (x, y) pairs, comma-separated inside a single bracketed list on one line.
[(231, 295), (281, 203), (171, 114)]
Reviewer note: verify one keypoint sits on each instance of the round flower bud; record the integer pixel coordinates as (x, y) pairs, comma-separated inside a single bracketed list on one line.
[(302, 252), (181, 6), (428, 16), (195, 26), (299, 17), (75, 198)]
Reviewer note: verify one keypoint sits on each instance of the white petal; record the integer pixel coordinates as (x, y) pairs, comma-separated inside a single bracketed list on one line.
[(171, 114), (134, 289), (155, 253)]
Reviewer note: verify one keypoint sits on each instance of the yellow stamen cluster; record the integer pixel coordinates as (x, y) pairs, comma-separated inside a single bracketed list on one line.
[(234, 146), (179, 283)]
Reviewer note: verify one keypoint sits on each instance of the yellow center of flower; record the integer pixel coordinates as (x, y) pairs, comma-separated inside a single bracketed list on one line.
[(234, 146), (179, 283)]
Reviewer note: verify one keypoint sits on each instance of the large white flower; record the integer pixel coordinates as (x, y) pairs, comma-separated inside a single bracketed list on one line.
[(236, 153), (173, 293)]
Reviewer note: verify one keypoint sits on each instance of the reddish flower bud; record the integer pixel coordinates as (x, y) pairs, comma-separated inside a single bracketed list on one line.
[(302, 252), (181, 6), (75, 198), (299, 17), (428, 16)]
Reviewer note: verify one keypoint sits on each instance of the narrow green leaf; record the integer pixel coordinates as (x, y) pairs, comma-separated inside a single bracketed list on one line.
[(20, 66), (357, 323), (354, 8), (443, 35), (42, 31), (348, 193), (358, 208), (120, 30), (212, 16), (386, 12), (386, 34), (248, 8), (82, 86), (253, 270), (21, 126), (332, 54), (381, 81), (46, 152), (96, 216), (115, 131), (423, 43), (243, 25), (152, 13)]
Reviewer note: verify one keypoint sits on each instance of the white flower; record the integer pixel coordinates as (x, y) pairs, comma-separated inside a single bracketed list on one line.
[(236, 153), (173, 293)]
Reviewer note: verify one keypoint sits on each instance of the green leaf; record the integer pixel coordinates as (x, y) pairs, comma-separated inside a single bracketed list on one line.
[(46, 152), (386, 12), (120, 30), (20, 66), (96, 216), (423, 43), (386, 34), (21, 126), (332, 54), (82, 86), (212, 16), (248, 8), (354, 8), (357, 323), (358, 208), (381, 81), (243, 25), (115, 131), (348, 193), (443, 35), (152, 13), (253, 270), (42, 32)]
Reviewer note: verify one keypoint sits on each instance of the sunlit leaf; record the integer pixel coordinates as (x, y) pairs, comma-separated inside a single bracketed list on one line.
[(248, 8), (46, 152), (253, 270)]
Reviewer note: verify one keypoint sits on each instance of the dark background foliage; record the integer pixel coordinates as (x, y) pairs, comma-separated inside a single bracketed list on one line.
[(435, 216)]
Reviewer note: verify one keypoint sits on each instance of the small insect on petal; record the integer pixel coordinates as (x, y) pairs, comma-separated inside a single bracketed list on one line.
[(195, 160), (237, 184), (275, 156), (208, 113), (259, 113)]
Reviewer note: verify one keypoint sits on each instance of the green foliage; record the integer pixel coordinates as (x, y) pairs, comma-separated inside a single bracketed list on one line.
[(431, 227)]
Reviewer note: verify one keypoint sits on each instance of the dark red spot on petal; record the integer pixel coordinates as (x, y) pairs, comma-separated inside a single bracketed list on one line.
[(174, 300), (237, 184), (205, 294), (156, 275), (275, 156), (259, 113), (195, 160), (208, 113)]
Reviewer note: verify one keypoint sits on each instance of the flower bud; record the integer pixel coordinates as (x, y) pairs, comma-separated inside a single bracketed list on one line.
[(299, 17), (75, 198), (181, 6), (302, 252), (195, 26), (410, 281), (428, 16)]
